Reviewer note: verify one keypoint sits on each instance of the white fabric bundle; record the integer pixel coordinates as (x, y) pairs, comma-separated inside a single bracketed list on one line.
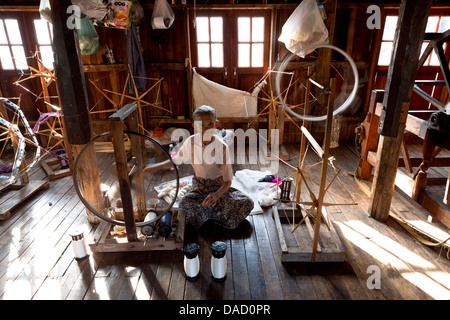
[(227, 102)]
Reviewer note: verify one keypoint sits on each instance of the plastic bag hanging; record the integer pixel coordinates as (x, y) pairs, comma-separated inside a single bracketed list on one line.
[(162, 15), (88, 38), (45, 10), (91, 9), (304, 30)]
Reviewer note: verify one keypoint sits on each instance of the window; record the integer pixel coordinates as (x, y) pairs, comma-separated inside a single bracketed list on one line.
[(250, 42), (44, 34), (210, 42), (12, 53), (434, 24), (231, 47)]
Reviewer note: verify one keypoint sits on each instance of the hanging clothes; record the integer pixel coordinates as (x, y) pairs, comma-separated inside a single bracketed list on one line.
[(136, 61)]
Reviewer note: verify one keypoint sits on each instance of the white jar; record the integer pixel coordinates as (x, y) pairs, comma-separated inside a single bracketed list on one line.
[(191, 261), (218, 261), (79, 245)]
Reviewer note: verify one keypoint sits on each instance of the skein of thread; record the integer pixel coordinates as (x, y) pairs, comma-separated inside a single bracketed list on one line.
[(165, 225), (149, 229)]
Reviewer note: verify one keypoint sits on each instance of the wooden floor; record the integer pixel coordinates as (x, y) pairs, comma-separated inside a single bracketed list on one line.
[(37, 260)]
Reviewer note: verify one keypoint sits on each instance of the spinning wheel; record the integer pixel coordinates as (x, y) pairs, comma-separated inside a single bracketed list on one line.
[(141, 187), (337, 110), (318, 251), (15, 166), (128, 195)]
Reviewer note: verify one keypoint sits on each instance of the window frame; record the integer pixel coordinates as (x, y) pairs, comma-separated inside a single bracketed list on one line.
[(250, 42), (230, 74), (39, 46), (393, 12), (16, 64), (210, 43)]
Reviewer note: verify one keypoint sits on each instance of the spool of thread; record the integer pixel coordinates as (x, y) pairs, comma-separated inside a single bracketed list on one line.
[(79, 245), (218, 261), (149, 229), (165, 225), (191, 261)]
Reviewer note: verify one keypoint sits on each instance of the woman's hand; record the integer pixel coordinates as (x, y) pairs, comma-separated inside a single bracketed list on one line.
[(211, 200)]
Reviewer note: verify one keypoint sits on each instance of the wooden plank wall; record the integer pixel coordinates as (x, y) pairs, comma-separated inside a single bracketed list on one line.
[(167, 60)]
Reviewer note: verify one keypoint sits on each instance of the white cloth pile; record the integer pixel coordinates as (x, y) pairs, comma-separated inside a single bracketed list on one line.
[(263, 194)]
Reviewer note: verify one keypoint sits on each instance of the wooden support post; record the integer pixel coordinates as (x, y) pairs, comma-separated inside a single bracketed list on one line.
[(370, 136), (122, 168), (323, 176), (303, 142), (89, 178), (280, 126), (137, 144), (70, 75), (72, 92), (324, 56), (413, 16), (420, 179)]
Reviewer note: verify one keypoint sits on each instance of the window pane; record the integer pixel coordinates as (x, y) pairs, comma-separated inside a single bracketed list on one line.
[(47, 56), (258, 29), (20, 59), (5, 56), (42, 33), (203, 55), (389, 28), (202, 29), (244, 55), (432, 24), (3, 38), (244, 29), (217, 55), (444, 24), (422, 49), (385, 53), (434, 61), (257, 54), (216, 29), (13, 31), (51, 31)]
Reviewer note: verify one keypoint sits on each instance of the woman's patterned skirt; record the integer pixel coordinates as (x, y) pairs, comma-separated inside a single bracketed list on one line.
[(229, 211)]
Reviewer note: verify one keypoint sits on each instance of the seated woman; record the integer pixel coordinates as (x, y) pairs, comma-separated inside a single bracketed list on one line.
[(211, 197)]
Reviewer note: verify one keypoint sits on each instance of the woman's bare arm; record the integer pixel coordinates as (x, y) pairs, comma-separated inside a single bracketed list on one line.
[(149, 169)]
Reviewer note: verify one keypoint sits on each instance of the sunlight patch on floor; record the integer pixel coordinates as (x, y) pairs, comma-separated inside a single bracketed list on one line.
[(388, 252)]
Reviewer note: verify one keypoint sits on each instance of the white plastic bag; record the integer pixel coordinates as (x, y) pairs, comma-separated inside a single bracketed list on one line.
[(45, 11), (304, 30), (91, 9), (162, 15)]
